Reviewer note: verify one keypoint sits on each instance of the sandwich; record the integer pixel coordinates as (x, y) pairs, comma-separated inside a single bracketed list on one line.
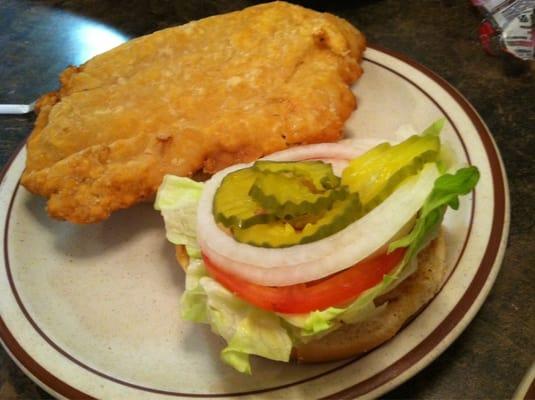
[(315, 253)]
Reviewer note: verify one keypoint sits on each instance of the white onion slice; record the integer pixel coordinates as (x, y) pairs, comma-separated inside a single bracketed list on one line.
[(345, 150), (311, 261), (337, 154)]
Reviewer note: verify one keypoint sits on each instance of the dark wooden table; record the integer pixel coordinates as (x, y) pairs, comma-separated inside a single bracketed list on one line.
[(38, 39)]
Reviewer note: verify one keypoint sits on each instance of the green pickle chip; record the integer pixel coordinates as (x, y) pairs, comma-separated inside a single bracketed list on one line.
[(376, 174), (287, 197), (233, 207), (318, 173), (282, 204), (283, 234)]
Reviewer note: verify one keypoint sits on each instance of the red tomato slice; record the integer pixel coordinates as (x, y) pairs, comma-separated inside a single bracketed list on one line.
[(317, 295)]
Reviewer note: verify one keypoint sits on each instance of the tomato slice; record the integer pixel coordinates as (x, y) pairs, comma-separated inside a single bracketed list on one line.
[(317, 295)]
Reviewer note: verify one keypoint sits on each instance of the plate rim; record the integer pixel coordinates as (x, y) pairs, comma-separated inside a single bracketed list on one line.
[(463, 312)]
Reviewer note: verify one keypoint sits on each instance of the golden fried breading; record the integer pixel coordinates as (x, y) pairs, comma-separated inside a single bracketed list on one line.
[(197, 97)]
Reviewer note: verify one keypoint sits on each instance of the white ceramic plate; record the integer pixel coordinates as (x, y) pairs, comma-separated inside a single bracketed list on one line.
[(92, 311)]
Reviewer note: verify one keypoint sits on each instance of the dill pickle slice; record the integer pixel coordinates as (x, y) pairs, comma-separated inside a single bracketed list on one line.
[(279, 234), (320, 174), (286, 196), (232, 205), (376, 174)]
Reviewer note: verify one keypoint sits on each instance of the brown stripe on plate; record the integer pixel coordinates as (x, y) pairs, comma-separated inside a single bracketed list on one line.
[(530, 394), (38, 372)]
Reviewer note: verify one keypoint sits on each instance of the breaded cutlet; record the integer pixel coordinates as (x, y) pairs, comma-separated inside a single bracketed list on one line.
[(193, 98)]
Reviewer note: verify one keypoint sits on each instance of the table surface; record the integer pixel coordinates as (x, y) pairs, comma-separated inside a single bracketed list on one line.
[(39, 38)]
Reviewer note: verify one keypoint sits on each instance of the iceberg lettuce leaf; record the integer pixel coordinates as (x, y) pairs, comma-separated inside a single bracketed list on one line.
[(446, 192), (246, 328), (193, 301), (435, 128), (177, 200)]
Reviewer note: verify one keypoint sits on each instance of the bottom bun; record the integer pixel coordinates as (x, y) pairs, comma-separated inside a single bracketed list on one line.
[(403, 303)]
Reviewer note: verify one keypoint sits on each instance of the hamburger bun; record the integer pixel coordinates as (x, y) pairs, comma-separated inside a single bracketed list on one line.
[(404, 302)]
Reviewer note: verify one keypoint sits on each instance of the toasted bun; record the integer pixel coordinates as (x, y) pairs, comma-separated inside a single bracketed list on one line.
[(403, 303)]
